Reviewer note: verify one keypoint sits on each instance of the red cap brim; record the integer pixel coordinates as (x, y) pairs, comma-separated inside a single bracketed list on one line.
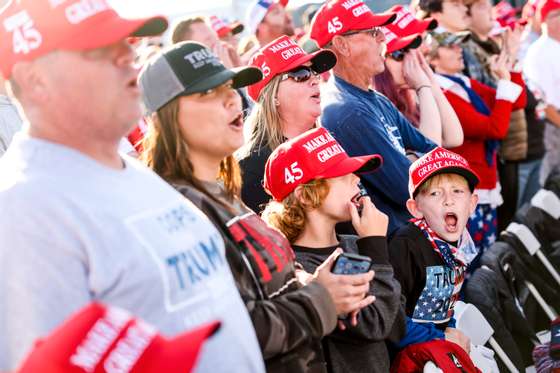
[(115, 29), (179, 353), (411, 42), (374, 20), (359, 165)]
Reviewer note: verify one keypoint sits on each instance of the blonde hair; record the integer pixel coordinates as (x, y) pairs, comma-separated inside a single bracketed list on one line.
[(289, 215), (264, 122), (438, 179), (167, 153)]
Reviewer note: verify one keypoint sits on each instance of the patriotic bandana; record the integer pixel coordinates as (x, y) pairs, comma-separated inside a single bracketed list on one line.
[(451, 255)]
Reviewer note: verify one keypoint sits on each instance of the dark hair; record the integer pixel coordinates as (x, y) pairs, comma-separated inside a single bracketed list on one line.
[(403, 99), (431, 6)]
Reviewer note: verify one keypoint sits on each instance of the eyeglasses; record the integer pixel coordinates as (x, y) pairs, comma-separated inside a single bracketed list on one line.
[(374, 32), (300, 74), (398, 55)]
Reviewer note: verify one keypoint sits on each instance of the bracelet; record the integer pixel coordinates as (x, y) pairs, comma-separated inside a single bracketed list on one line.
[(423, 86)]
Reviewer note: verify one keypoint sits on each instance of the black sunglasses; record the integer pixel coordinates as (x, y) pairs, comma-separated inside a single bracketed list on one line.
[(300, 74), (398, 55)]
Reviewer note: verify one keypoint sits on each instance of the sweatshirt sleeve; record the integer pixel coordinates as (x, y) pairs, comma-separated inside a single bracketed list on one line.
[(39, 290), (377, 321), (287, 321)]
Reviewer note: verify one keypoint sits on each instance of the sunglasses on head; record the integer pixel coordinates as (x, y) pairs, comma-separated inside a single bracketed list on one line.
[(398, 55), (300, 74)]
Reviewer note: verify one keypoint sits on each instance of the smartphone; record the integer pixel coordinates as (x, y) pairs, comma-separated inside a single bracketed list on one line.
[(351, 264)]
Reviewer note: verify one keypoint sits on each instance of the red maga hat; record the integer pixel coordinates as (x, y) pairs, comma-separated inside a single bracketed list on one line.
[(439, 161), (282, 55), (100, 339), (223, 29), (337, 17), (406, 24), (32, 28), (547, 6), (312, 155)]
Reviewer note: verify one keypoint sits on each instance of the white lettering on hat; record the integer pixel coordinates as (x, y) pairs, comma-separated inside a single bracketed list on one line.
[(327, 153), (25, 37), (282, 45), (99, 338), (56, 3), (293, 173), (201, 58), (84, 9), (295, 51), (362, 9), (405, 21), (129, 348), (350, 3), (389, 35), (334, 25), (317, 142)]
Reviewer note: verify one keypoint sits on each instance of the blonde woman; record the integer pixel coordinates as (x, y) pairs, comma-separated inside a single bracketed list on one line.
[(288, 103), (196, 127)]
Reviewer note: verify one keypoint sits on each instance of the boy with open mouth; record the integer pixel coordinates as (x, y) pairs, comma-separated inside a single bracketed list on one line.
[(431, 253)]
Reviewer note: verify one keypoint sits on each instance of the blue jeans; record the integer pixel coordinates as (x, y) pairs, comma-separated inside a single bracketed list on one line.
[(528, 178)]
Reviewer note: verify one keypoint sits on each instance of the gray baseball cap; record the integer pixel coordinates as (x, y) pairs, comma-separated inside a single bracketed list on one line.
[(187, 68)]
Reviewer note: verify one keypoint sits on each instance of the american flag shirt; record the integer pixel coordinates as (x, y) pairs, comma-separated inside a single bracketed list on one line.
[(443, 282)]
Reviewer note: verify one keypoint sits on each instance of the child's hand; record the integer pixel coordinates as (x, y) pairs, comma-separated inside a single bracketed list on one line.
[(372, 222), (457, 336)]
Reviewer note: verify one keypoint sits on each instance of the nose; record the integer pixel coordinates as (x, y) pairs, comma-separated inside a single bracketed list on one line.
[(355, 179), (125, 54), (448, 199), (233, 99)]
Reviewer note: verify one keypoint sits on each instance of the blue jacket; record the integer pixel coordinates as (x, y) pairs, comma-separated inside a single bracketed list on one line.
[(366, 122)]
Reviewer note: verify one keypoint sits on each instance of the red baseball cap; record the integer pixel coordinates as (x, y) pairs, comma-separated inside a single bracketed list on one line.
[(32, 28), (101, 339), (314, 154), (337, 17), (396, 42), (548, 6), (223, 29), (439, 161), (406, 24), (284, 54)]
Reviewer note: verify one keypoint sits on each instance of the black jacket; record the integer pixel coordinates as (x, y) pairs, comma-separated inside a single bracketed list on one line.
[(252, 171), (362, 348), (289, 319)]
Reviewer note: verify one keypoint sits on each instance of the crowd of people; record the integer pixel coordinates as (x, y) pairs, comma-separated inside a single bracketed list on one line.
[(186, 205)]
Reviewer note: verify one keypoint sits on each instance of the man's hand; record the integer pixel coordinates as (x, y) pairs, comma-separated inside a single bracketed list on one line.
[(348, 292)]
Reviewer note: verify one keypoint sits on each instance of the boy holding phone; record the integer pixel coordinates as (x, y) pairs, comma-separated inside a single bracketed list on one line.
[(312, 182), (431, 252)]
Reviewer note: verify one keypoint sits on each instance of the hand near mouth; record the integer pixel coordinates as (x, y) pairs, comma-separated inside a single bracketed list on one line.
[(371, 222)]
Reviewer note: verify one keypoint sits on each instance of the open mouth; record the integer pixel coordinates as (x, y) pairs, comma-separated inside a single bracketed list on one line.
[(451, 222), (316, 96), (133, 84), (237, 122), (356, 200)]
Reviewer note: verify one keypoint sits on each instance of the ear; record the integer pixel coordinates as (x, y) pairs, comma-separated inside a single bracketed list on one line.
[(31, 82), (412, 207), (297, 193), (473, 203), (341, 45)]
